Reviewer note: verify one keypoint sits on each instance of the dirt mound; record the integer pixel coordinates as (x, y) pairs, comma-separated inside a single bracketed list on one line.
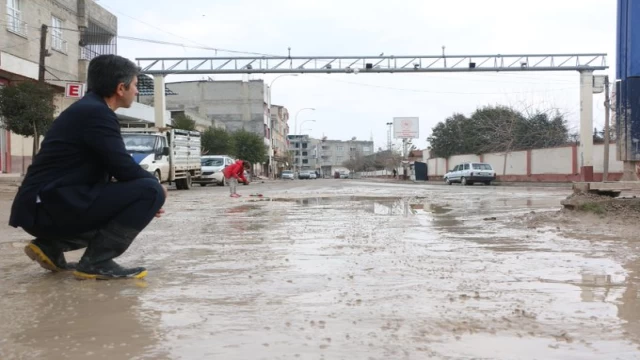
[(603, 205)]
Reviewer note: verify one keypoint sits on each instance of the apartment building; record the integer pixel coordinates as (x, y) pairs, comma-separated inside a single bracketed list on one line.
[(332, 154), (305, 152), (78, 31), (279, 137)]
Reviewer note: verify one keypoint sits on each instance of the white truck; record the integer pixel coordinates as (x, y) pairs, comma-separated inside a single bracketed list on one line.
[(171, 155)]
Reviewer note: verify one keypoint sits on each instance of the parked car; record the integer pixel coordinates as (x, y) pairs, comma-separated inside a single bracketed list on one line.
[(212, 166), (470, 173), (304, 174), (287, 175), (313, 175)]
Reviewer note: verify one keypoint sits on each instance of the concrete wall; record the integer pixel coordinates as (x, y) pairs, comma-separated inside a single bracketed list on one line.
[(558, 164), (516, 162), (552, 161)]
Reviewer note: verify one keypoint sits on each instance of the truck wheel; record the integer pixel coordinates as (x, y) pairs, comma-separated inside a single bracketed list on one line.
[(463, 181), (157, 175), (187, 182), (184, 184), (222, 183)]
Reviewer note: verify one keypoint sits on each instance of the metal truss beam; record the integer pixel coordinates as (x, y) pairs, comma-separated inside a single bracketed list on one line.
[(373, 64)]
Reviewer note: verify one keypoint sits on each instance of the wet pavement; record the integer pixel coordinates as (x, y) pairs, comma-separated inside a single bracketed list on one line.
[(336, 269)]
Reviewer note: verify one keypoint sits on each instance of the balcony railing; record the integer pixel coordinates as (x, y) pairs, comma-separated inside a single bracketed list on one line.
[(16, 26), (59, 44)]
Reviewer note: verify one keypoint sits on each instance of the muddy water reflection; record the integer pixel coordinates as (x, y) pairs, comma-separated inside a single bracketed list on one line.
[(57, 317), (414, 275)]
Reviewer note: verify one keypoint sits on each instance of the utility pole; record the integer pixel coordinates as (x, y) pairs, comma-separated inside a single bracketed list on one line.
[(41, 71), (607, 137), (43, 52)]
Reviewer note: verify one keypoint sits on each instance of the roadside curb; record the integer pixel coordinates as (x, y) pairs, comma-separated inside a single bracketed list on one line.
[(10, 179)]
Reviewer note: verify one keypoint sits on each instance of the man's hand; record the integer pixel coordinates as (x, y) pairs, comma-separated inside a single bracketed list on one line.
[(159, 213)]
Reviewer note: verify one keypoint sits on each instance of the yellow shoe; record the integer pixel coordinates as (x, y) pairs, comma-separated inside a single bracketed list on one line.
[(107, 271), (49, 262)]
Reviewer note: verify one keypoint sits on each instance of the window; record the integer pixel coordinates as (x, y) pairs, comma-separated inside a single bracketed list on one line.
[(366, 149), (304, 145), (304, 153), (57, 40), (339, 159), (466, 166), (305, 161), (14, 18), (340, 148)]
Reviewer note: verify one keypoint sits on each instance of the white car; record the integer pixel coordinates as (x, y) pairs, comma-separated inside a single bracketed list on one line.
[(212, 166), (470, 173)]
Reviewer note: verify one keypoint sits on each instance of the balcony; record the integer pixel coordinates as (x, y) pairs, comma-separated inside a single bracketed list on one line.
[(59, 44), (16, 26)]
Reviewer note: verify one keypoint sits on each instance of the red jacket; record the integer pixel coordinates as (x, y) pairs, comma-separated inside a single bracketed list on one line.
[(235, 170)]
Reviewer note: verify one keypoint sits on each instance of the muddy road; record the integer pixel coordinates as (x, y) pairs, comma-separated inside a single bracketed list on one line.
[(340, 269)]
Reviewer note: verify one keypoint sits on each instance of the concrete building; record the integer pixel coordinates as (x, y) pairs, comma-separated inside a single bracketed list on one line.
[(236, 104), (279, 138), (326, 156), (332, 154), (304, 152), (79, 30)]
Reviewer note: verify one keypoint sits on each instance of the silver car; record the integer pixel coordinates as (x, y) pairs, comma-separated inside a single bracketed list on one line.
[(287, 175), (470, 173)]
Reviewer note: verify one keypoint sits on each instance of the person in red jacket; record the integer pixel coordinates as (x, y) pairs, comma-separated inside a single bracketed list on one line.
[(234, 172)]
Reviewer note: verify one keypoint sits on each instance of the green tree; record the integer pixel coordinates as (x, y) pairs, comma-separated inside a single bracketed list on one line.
[(497, 129), (27, 109), (216, 141), (249, 146), (184, 122)]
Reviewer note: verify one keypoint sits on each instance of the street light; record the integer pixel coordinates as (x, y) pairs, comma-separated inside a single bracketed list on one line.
[(295, 126), (277, 77)]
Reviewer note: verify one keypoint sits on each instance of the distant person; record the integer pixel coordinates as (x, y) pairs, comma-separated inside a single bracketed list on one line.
[(395, 173), (234, 172), (67, 201)]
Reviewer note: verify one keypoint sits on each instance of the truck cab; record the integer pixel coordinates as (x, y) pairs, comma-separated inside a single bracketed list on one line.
[(171, 155), (151, 152)]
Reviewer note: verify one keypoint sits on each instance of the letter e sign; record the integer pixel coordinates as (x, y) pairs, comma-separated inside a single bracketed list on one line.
[(74, 90)]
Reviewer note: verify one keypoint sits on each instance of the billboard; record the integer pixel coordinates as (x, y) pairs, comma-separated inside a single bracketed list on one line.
[(406, 127)]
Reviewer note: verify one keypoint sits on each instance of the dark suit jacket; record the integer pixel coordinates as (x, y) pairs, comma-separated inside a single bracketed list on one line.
[(80, 152)]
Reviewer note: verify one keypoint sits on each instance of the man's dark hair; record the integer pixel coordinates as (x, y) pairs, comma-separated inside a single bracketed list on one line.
[(246, 165), (106, 72)]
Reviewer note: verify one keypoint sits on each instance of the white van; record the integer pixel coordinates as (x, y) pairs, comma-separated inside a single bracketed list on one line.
[(470, 173)]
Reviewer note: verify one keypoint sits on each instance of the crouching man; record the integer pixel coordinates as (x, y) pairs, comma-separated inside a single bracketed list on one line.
[(67, 201)]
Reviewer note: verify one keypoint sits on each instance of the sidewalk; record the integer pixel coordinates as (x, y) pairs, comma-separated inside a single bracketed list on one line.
[(10, 178)]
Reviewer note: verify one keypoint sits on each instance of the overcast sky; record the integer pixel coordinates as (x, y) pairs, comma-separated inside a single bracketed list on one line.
[(360, 105)]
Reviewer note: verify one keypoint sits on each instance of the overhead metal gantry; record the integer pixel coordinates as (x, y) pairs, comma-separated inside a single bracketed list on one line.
[(585, 64), (373, 64)]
